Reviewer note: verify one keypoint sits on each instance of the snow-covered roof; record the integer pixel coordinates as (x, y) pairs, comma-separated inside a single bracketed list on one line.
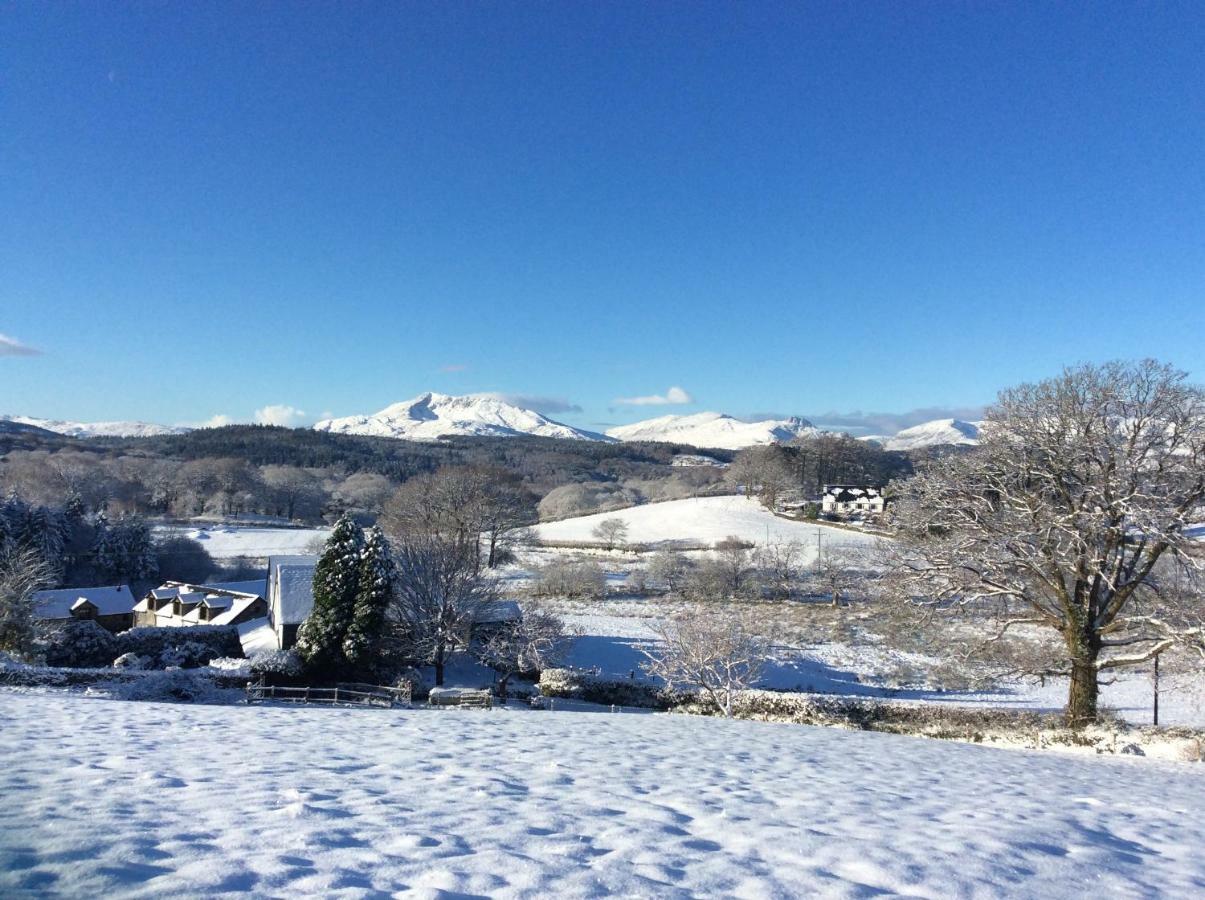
[(165, 593), (218, 601), (187, 597), (237, 609), (257, 587), (109, 601), (81, 602), (291, 588)]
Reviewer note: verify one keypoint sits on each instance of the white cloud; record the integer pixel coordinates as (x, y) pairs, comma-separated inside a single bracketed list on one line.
[(280, 414), (673, 397), (217, 421), (10, 346), (545, 405)]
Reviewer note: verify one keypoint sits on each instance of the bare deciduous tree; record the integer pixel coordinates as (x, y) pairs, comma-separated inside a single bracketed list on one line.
[(526, 646), (669, 568), (612, 532), (838, 571), (440, 594), (1081, 486), (780, 565), (718, 652)]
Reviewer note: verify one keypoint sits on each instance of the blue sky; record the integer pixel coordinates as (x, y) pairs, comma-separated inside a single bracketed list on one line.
[(793, 208)]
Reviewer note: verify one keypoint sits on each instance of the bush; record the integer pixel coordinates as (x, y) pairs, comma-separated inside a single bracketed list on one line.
[(277, 662), (577, 685), (81, 644), (574, 579), (180, 686), (189, 647), (188, 655)]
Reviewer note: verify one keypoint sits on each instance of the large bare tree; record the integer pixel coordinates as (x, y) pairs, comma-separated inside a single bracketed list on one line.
[(439, 595), (1080, 491)]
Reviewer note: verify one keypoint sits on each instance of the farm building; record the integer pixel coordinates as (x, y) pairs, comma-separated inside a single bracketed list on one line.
[(851, 499), (176, 603), (110, 607), (290, 595)]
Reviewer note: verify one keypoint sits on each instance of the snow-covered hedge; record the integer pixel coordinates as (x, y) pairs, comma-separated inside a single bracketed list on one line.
[(82, 644), (277, 662), (176, 686), (187, 648), (578, 685)]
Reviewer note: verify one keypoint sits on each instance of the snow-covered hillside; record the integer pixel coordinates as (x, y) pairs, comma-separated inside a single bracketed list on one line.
[(712, 429), (938, 433), (432, 416), (97, 429), (105, 798), (702, 520)]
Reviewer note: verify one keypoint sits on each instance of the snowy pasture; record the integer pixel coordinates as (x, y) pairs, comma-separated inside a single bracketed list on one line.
[(226, 541), (703, 520), (123, 799)]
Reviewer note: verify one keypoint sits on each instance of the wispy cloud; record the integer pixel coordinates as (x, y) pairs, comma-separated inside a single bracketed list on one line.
[(10, 346), (279, 414), (454, 367), (549, 406), (675, 396)]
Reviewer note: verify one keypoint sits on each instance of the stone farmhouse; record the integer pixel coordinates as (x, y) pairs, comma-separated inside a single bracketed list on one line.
[(110, 607), (178, 604)]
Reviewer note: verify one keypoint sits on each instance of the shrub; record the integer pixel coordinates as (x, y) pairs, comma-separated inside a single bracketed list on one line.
[(277, 662), (187, 655), (180, 686), (174, 646), (574, 579), (578, 685), (81, 644)]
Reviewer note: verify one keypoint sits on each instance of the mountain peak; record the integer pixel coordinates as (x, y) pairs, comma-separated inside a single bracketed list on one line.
[(432, 415)]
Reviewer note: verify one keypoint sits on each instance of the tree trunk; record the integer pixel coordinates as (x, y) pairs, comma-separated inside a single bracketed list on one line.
[(1084, 691), (439, 672)]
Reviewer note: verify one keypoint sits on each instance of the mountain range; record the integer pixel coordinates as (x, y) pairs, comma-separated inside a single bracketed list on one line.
[(90, 429), (712, 429), (431, 416)]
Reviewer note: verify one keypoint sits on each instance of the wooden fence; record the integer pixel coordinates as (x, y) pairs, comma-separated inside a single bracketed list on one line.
[(352, 694)]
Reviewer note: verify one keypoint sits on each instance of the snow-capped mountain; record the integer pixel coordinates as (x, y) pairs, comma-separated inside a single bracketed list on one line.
[(712, 429), (938, 433), (97, 429), (432, 416)]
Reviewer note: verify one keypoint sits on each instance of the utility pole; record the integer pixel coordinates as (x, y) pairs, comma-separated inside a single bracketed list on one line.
[(1155, 680)]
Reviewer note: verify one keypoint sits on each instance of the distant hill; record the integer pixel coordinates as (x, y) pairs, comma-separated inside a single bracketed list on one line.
[(938, 433), (94, 429)]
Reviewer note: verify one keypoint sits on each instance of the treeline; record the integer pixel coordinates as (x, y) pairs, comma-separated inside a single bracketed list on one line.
[(801, 469)]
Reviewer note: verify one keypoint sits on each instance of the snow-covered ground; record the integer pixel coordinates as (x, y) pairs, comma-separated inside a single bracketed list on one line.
[(224, 541), (120, 799), (703, 520)]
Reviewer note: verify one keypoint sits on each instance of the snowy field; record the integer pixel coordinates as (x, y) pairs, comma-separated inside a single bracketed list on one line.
[(703, 520), (125, 799), (226, 541)]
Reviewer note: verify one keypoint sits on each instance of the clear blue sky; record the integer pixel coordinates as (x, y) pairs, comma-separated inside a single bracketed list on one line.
[(208, 208)]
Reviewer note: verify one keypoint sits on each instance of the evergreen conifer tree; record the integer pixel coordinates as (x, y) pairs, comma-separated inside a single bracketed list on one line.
[(336, 585), (374, 595)]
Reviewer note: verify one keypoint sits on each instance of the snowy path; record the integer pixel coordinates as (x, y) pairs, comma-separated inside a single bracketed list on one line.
[(110, 798)]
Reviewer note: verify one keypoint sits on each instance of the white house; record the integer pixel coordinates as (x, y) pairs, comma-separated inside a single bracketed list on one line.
[(851, 499)]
